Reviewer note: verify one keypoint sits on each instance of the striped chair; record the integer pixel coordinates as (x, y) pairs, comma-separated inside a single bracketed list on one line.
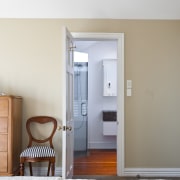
[(37, 149)]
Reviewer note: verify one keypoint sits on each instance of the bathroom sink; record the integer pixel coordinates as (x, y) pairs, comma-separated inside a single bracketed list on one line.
[(109, 116)]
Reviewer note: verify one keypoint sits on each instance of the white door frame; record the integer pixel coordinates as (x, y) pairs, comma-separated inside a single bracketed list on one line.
[(120, 85)]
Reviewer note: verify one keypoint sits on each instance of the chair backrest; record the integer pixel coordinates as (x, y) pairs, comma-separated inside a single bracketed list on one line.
[(41, 120)]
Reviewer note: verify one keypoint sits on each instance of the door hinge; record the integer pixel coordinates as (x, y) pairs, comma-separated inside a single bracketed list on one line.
[(72, 47)]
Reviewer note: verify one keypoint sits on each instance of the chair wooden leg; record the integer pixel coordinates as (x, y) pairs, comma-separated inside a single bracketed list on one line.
[(21, 169), (52, 168), (30, 168), (49, 164)]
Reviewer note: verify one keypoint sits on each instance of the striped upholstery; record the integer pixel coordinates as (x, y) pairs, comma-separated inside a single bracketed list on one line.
[(38, 151)]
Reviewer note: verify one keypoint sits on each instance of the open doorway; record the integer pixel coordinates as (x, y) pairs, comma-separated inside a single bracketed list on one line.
[(67, 143), (91, 139)]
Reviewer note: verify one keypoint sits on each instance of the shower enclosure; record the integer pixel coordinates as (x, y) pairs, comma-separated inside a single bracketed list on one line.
[(80, 107)]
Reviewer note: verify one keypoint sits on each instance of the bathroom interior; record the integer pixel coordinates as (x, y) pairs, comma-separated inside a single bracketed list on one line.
[(95, 96)]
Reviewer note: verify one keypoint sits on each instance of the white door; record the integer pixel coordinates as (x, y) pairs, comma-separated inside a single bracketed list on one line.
[(67, 136)]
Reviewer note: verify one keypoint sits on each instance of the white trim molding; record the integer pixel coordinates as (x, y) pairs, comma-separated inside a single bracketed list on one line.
[(102, 145), (152, 172), (133, 172), (42, 171)]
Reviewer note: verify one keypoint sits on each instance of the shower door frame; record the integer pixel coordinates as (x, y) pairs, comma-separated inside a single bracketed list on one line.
[(120, 85)]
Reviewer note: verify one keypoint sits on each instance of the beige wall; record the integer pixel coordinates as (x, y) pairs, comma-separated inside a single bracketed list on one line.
[(30, 66)]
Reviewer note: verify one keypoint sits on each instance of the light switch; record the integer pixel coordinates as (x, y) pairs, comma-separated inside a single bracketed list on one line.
[(129, 84), (129, 92)]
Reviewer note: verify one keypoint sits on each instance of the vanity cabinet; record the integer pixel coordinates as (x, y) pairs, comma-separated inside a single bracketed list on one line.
[(10, 134), (110, 77), (109, 123)]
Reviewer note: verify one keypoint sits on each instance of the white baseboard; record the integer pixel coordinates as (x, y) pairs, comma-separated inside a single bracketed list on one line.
[(102, 145), (134, 172), (42, 171), (152, 172)]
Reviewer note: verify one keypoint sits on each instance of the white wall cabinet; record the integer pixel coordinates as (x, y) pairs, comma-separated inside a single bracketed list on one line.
[(110, 77)]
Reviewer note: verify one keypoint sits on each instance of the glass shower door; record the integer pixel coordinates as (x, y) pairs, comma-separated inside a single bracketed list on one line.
[(80, 108)]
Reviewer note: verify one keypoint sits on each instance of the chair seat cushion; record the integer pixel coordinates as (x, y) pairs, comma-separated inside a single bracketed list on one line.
[(38, 151)]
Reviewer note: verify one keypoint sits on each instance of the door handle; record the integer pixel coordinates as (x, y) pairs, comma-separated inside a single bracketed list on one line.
[(68, 128), (83, 109), (64, 128), (59, 128)]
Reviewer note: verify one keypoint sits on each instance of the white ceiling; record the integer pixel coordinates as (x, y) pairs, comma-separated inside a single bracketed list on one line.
[(106, 9)]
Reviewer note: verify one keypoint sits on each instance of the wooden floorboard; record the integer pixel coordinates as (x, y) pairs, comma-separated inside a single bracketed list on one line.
[(96, 162), (101, 164)]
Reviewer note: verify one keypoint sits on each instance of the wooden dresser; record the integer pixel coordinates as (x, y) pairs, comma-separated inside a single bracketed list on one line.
[(10, 134)]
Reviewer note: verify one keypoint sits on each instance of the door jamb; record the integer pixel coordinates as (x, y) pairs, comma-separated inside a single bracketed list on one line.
[(120, 93)]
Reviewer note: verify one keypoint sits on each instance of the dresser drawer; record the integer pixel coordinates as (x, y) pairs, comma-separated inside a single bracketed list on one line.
[(3, 124), (10, 134), (3, 164), (4, 110), (3, 142)]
